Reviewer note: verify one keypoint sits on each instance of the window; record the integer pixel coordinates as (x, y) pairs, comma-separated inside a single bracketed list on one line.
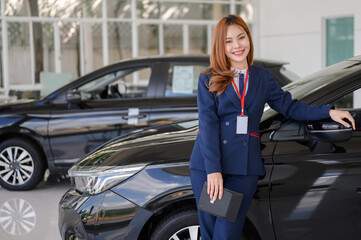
[(351, 100), (183, 80), (127, 83), (339, 39)]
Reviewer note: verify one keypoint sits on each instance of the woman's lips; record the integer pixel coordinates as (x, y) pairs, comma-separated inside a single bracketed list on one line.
[(238, 53)]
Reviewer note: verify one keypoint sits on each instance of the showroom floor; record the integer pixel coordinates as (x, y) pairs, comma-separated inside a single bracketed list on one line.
[(32, 215)]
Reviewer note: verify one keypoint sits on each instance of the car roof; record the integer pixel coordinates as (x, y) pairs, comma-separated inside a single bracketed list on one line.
[(155, 58)]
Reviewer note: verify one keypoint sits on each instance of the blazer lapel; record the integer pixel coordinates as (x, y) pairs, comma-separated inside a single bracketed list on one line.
[(232, 95), (253, 85)]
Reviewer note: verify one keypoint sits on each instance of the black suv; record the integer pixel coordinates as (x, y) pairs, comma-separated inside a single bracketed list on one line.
[(57, 130), (138, 186)]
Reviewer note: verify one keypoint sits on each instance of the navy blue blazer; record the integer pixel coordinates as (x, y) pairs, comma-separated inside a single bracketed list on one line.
[(217, 147)]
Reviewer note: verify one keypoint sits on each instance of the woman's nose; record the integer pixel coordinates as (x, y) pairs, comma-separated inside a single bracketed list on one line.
[(236, 44)]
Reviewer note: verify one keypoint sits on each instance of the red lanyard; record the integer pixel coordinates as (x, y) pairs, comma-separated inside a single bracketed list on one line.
[(244, 91)]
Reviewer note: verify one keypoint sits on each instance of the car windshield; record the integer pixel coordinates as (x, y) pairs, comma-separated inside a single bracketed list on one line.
[(307, 86), (289, 74), (312, 83)]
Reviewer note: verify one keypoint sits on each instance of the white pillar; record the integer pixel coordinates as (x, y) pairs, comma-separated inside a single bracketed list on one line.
[(186, 39), (57, 48), (161, 39), (82, 50), (105, 34), (135, 42), (5, 49), (32, 52), (209, 38)]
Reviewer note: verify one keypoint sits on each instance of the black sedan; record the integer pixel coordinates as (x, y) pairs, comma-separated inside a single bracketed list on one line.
[(138, 186), (57, 130)]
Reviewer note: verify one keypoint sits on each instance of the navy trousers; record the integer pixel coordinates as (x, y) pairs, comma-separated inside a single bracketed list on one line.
[(215, 228)]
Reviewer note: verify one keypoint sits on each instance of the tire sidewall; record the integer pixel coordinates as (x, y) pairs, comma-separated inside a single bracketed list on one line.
[(174, 223), (37, 161)]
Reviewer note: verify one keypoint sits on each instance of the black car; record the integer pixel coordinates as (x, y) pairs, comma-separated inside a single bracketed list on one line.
[(138, 186), (57, 130)]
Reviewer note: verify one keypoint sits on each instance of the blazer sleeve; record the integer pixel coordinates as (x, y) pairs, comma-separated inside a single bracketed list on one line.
[(283, 103), (208, 126)]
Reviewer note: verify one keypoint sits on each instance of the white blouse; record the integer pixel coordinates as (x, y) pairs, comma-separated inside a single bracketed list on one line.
[(236, 79)]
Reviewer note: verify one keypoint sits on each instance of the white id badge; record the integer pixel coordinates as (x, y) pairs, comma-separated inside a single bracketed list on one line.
[(242, 124)]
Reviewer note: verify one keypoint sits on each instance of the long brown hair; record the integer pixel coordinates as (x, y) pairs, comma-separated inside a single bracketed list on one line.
[(220, 65)]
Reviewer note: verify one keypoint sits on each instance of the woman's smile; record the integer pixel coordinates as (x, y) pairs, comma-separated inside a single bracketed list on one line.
[(238, 53)]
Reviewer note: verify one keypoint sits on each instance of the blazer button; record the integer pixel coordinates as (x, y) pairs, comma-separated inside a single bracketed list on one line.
[(244, 143), (224, 141), (227, 123)]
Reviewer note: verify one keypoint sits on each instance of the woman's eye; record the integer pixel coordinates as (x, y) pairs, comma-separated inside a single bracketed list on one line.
[(228, 41), (241, 38)]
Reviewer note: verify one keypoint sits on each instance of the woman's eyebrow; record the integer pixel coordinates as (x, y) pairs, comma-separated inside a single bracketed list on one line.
[(237, 36)]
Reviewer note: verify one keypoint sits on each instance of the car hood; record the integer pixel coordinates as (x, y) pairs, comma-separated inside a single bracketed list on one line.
[(20, 105), (172, 142)]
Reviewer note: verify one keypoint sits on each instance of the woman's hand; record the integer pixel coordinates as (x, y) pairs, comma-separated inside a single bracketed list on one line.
[(214, 186), (337, 116)]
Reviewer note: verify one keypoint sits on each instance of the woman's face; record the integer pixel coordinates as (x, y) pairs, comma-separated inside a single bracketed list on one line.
[(237, 46)]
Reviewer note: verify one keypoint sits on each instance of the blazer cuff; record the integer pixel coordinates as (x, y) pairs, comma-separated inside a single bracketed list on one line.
[(326, 110), (212, 169)]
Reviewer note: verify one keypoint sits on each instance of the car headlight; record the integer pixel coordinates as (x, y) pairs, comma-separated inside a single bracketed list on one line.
[(93, 180)]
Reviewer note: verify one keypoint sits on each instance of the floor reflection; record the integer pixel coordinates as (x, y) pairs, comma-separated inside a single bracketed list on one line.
[(32, 214), (17, 217)]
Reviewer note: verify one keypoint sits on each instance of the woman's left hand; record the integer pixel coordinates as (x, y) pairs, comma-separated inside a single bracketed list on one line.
[(338, 116)]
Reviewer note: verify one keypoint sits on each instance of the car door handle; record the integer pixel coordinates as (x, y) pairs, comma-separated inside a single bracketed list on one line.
[(135, 116), (358, 189)]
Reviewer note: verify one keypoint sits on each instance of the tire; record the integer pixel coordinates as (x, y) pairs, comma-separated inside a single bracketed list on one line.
[(183, 224), (21, 165)]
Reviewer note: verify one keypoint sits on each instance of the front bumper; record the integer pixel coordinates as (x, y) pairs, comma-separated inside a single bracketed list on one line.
[(103, 216)]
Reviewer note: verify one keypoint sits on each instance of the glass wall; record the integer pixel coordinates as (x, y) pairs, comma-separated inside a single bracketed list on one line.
[(339, 39), (78, 36), (119, 40), (148, 39), (173, 38), (54, 8), (19, 52)]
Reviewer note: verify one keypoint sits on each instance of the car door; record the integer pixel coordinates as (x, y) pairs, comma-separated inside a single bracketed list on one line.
[(315, 184), (176, 98), (111, 105)]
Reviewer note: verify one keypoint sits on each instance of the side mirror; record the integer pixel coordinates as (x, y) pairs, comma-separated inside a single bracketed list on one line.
[(289, 131), (329, 132), (73, 96)]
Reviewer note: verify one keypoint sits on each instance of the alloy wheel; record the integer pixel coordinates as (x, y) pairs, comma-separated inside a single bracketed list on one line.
[(187, 233), (16, 165)]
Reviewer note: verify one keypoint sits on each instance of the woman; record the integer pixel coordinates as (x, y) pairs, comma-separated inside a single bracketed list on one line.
[(231, 98)]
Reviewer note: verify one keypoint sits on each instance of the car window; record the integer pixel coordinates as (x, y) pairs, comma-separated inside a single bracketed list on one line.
[(126, 83), (351, 100), (183, 80)]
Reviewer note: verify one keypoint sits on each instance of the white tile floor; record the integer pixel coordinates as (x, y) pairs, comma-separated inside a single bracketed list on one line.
[(31, 215)]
